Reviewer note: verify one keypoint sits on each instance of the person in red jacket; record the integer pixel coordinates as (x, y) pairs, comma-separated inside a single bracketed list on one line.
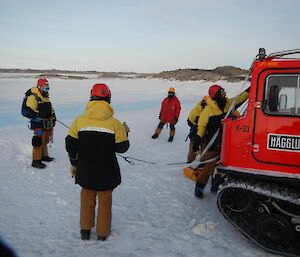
[(169, 113)]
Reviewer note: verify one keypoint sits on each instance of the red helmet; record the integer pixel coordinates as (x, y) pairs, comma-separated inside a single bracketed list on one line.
[(43, 84), (100, 90), (213, 90)]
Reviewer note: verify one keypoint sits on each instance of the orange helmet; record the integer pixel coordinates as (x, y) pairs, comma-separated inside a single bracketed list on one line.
[(100, 92), (171, 90), (43, 85)]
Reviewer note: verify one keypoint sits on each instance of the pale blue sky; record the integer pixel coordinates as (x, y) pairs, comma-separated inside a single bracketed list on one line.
[(143, 36)]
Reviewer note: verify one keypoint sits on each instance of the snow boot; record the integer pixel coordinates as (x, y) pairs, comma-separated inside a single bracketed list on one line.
[(155, 136), (199, 190), (156, 133), (172, 134), (85, 234), (101, 238), (47, 159), (38, 164)]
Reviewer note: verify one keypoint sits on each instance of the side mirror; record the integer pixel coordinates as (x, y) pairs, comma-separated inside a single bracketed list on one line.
[(273, 98)]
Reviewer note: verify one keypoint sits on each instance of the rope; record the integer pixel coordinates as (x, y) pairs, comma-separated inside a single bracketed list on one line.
[(126, 158), (62, 124)]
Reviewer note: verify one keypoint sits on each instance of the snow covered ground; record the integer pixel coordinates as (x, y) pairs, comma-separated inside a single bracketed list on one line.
[(154, 211)]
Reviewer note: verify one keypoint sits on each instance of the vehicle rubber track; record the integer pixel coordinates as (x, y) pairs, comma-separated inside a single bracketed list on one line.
[(267, 214)]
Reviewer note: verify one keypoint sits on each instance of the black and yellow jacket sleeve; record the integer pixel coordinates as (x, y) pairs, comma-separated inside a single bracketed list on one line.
[(195, 113), (238, 100)]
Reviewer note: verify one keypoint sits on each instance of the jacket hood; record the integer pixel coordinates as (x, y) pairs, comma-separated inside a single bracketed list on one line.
[(37, 92), (212, 104), (98, 110)]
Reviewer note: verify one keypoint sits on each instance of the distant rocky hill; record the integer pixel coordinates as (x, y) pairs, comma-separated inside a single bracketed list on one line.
[(228, 73), (53, 71)]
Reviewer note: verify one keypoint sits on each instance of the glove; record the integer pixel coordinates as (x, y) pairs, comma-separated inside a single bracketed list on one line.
[(193, 132), (126, 128), (159, 116), (196, 143), (175, 120), (73, 170)]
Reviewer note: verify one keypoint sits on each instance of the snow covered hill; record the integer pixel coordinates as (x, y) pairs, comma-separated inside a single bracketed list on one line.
[(155, 213)]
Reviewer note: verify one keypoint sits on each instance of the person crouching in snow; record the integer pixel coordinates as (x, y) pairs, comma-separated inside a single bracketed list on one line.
[(169, 113), (92, 143)]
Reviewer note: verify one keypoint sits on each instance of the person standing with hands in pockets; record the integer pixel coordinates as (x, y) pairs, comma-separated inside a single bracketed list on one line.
[(92, 143)]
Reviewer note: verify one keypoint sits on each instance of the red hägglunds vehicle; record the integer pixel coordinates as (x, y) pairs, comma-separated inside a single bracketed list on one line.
[(261, 157)]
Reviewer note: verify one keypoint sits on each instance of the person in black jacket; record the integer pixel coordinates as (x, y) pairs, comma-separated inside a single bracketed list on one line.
[(92, 143)]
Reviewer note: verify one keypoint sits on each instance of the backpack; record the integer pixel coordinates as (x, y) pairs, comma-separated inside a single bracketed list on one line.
[(25, 111)]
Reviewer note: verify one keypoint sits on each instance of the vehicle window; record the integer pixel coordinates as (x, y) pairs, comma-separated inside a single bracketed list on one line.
[(282, 96)]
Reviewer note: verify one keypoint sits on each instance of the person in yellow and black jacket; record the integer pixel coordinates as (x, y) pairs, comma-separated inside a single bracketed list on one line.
[(192, 121), (209, 122), (42, 120), (92, 143)]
